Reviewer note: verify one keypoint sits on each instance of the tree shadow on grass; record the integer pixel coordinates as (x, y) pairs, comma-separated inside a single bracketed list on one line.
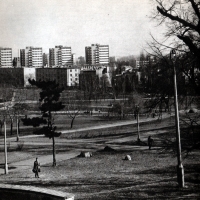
[(2, 166), (192, 173)]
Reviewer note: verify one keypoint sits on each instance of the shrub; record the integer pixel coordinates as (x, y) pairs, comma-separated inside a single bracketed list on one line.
[(20, 146)]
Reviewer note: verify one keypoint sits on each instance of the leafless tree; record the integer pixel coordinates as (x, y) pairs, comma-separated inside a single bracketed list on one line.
[(182, 22), (74, 104)]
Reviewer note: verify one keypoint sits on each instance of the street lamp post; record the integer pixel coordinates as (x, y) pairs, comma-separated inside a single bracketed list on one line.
[(138, 126), (5, 149), (180, 170)]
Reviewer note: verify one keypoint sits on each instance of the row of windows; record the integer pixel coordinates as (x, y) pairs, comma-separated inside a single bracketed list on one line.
[(75, 74), (76, 79), (71, 70)]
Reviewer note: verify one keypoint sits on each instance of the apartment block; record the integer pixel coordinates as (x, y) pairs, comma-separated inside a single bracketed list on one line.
[(45, 60), (5, 57), (22, 57), (31, 57), (97, 54), (60, 56)]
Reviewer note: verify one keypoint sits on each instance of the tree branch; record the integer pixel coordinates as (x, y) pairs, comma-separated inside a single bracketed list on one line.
[(195, 7), (178, 19)]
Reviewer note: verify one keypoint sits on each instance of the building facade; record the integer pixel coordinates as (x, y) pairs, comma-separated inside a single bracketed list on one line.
[(22, 57), (16, 62), (31, 57), (97, 54), (5, 57), (141, 63), (45, 60), (12, 77), (65, 76), (73, 76), (60, 56)]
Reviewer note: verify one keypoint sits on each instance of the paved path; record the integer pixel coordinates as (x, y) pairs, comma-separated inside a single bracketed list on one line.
[(43, 160), (46, 159)]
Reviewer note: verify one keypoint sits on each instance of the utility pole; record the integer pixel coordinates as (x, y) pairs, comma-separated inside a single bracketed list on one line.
[(180, 169), (5, 149), (138, 125)]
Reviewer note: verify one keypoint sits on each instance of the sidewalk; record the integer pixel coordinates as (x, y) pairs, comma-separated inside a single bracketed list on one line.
[(122, 123), (43, 160)]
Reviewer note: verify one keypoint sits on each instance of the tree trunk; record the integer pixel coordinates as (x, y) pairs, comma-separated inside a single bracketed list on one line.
[(54, 152), (1, 125), (17, 129), (18, 126), (11, 126), (72, 122)]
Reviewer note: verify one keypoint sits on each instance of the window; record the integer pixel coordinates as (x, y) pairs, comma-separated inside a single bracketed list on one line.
[(70, 74)]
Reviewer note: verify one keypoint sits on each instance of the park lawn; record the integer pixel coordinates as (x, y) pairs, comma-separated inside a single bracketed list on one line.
[(63, 123), (106, 175)]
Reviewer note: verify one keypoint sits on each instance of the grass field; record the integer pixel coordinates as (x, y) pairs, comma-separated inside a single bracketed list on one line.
[(151, 174)]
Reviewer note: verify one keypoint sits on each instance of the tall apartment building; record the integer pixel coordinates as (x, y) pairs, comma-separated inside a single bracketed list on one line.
[(16, 62), (45, 60), (5, 57), (31, 57), (60, 55), (97, 54), (22, 57)]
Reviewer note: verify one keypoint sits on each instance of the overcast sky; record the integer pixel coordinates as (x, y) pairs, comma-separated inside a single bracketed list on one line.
[(124, 25)]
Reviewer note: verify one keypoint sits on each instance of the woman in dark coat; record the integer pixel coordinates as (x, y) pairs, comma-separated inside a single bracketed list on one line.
[(36, 168)]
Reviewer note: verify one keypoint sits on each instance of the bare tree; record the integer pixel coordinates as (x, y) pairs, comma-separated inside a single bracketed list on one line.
[(182, 19), (74, 104)]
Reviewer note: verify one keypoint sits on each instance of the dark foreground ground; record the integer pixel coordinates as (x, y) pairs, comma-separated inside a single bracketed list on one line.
[(151, 174)]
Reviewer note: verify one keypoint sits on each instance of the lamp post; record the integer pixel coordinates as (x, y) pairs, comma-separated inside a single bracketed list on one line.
[(180, 170), (5, 149), (138, 126)]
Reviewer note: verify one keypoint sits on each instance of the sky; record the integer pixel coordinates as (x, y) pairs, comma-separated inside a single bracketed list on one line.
[(124, 25)]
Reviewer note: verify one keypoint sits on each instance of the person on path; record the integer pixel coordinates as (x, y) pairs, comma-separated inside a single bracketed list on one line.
[(135, 114), (150, 142), (36, 168)]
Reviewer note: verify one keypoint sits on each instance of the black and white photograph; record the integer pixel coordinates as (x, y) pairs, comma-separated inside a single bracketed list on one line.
[(99, 99)]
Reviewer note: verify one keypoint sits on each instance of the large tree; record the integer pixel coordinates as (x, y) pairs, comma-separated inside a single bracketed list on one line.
[(182, 22), (49, 98)]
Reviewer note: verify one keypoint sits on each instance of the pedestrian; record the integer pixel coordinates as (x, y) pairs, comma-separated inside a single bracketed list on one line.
[(150, 142), (36, 168), (135, 114)]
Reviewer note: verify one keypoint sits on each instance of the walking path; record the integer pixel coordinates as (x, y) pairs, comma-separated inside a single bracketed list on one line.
[(46, 159)]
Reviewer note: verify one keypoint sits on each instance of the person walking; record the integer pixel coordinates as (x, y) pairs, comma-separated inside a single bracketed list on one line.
[(36, 168), (150, 142)]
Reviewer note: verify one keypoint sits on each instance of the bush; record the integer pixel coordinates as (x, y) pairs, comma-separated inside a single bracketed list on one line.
[(20, 146)]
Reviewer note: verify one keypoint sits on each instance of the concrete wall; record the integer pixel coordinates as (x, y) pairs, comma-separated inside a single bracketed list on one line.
[(15, 192)]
